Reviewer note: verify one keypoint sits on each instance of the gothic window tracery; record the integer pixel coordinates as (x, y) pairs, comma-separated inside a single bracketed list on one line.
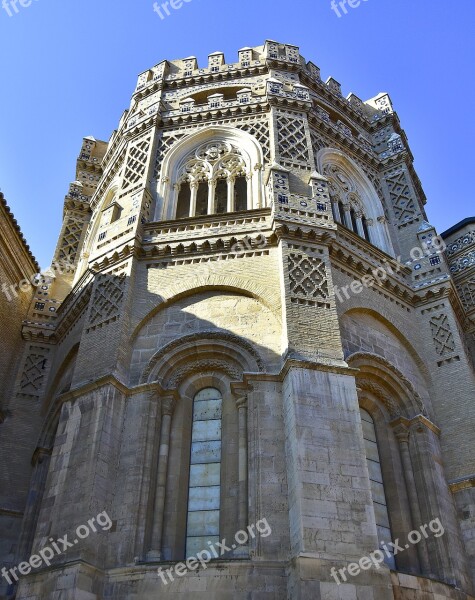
[(349, 205), (212, 180)]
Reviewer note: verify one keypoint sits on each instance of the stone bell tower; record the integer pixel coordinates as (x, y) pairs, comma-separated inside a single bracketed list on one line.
[(259, 325)]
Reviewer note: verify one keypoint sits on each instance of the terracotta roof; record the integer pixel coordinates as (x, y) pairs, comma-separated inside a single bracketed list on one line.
[(15, 225)]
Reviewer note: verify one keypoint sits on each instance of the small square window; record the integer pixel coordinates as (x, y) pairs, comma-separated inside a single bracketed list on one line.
[(39, 305), (102, 236), (283, 199), (434, 260)]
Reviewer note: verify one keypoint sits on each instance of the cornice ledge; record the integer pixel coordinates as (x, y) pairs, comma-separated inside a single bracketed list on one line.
[(111, 380), (418, 420), (464, 483)]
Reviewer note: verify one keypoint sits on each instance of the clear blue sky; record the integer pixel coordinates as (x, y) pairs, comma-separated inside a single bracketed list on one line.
[(69, 69)]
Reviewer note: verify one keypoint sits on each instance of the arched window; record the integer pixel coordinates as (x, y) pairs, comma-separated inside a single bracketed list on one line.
[(220, 169), (377, 485), (204, 495), (348, 181)]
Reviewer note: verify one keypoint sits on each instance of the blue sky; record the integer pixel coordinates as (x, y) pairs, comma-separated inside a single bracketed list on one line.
[(68, 70)]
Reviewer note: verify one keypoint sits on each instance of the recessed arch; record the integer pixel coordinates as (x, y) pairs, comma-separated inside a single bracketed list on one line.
[(250, 152), (409, 348), (355, 188), (198, 352), (386, 382), (210, 283)]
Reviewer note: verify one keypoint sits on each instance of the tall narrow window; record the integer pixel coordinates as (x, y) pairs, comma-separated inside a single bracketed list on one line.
[(221, 196), (202, 199), (353, 220), (240, 193), (183, 204), (341, 210), (377, 487), (205, 472)]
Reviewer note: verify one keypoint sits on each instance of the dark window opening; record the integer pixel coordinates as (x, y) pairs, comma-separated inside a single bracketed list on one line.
[(221, 196), (202, 199), (240, 193), (183, 204)]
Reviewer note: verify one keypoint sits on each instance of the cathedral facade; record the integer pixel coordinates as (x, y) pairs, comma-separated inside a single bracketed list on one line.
[(249, 372)]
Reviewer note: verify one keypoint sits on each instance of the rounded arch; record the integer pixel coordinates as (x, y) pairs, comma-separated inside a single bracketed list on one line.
[(386, 382), (355, 189), (211, 282), (92, 231), (409, 348), (62, 380), (249, 148), (200, 352)]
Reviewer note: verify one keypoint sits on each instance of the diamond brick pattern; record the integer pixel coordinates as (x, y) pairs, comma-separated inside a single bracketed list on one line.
[(308, 277)]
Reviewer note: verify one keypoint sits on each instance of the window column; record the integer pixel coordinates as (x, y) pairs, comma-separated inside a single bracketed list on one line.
[(194, 193), (230, 194), (402, 435), (243, 467), (211, 196), (168, 405), (346, 216), (359, 224)]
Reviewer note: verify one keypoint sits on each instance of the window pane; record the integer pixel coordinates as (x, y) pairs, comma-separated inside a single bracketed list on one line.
[(205, 474), (203, 522)]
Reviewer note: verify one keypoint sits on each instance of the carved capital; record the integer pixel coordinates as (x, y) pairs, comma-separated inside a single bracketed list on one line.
[(168, 405), (382, 219), (241, 402)]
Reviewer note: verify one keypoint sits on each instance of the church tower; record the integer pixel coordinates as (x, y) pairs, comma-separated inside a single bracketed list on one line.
[(259, 338)]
